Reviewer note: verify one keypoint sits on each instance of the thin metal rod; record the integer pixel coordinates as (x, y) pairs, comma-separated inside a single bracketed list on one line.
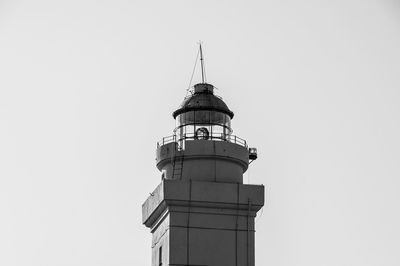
[(202, 64)]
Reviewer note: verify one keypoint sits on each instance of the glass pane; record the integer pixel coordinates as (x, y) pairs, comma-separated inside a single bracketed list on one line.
[(217, 117), (217, 132), (179, 120), (189, 131), (227, 121), (202, 117), (187, 118)]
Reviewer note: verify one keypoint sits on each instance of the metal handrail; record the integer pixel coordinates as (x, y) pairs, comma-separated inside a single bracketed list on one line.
[(213, 136)]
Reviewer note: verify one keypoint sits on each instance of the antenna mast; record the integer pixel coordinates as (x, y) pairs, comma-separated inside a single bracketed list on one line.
[(202, 65)]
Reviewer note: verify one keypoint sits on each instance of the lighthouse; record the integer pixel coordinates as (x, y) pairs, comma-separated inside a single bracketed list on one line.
[(202, 214)]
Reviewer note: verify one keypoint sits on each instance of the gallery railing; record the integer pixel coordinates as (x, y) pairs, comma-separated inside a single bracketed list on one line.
[(192, 136)]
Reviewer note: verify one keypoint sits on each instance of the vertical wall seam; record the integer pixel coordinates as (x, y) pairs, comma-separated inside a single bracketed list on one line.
[(248, 232), (215, 162), (187, 224), (237, 224)]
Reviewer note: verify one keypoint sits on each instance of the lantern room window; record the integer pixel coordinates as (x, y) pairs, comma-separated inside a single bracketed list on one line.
[(203, 124)]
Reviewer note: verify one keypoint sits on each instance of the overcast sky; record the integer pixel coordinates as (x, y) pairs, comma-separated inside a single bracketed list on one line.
[(88, 87)]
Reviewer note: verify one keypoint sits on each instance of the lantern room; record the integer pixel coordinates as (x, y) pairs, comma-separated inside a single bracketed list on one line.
[(203, 116)]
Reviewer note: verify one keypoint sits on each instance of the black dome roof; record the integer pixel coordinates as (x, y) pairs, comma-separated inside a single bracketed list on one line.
[(203, 99)]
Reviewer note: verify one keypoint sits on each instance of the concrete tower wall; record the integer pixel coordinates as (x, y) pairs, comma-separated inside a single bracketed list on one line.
[(203, 223), (204, 160)]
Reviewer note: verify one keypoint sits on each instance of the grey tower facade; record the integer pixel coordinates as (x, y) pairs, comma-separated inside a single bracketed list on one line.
[(202, 214)]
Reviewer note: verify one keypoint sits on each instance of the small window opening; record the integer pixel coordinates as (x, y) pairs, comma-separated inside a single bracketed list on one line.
[(160, 256)]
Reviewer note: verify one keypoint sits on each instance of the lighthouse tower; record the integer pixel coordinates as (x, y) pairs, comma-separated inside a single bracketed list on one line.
[(201, 214)]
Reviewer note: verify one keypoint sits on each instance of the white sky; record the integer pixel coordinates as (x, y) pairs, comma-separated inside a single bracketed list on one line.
[(88, 87)]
